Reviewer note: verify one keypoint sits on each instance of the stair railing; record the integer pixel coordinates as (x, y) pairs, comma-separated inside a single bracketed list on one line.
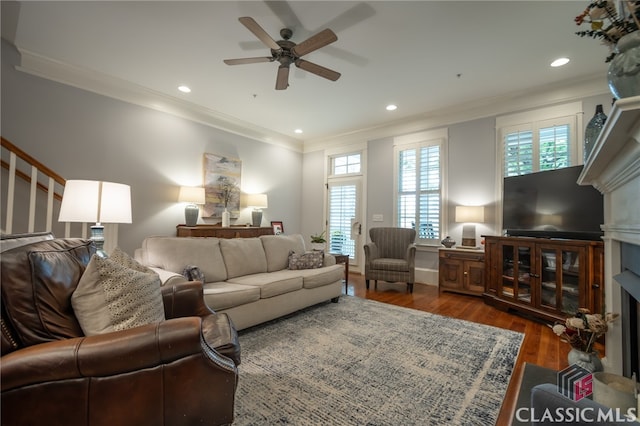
[(39, 178)]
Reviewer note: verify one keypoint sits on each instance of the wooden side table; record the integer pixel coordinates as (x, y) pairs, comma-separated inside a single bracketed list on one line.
[(344, 260), (220, 232)]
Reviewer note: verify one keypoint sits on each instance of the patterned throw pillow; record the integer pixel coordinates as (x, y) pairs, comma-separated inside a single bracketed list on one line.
[(193, 273), (122, 258), (309, 260), (112, 297)]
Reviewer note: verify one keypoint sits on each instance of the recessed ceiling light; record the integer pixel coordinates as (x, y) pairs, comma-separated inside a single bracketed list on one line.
[(392, 107), (184, 89), (298, 131), (560, 62)]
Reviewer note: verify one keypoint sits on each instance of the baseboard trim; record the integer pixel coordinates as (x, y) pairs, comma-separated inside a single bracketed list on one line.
[(427, 276)]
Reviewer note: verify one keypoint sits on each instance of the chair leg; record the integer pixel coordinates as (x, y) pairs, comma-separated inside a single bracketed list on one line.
[(410, 287), (366, 283)]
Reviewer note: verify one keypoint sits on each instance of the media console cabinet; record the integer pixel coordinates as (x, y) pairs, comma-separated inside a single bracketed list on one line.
[(547, 278)]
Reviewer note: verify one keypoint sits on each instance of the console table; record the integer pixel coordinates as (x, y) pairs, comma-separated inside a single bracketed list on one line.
[(220, 232)]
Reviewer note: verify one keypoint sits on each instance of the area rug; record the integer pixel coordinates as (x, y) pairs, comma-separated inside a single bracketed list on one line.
[(362, 362)]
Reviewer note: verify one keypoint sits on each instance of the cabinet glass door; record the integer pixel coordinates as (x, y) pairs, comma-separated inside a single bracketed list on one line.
[(560, 289), (516, 270)]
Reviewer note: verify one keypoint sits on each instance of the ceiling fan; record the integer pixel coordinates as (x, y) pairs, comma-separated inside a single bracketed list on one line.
[(287, 52)]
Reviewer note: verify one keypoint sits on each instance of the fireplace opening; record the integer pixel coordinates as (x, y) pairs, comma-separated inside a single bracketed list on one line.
[(629, 280)]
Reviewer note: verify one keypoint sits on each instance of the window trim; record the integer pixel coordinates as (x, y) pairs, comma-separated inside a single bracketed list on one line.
[(415, 140), (534, 120)]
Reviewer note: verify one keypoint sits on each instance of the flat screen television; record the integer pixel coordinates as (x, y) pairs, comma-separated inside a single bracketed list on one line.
[(551, 204)]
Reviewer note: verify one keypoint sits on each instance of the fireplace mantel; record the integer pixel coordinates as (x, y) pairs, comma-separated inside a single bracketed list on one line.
[(614, 169)]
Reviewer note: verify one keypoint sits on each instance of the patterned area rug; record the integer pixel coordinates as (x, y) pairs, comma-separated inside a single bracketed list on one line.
[(361, 362)]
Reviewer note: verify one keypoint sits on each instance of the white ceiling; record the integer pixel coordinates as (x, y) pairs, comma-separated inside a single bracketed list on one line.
[(421, 55)]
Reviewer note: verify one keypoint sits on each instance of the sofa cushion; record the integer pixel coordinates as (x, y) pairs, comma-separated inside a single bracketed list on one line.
[(174, 253), (112, 297), (308, 260), (224, 295), (242, 256), (277, 248), (272, 283), (312, 278)]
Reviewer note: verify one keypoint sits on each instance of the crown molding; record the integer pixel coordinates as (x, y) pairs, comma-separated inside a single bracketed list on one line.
[(103, 84)]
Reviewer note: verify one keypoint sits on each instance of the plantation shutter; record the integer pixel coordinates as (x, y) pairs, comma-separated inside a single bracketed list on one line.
[(554, 147), (419, 191), (518, 153), (342, 208)]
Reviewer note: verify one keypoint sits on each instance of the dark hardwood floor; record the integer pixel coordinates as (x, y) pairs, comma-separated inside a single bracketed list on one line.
[(540, 346)]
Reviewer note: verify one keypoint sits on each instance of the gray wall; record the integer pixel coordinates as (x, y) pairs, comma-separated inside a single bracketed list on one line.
[(81, 135)]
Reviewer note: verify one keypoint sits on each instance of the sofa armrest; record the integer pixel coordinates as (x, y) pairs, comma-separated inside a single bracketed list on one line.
[(161, 373), (184, 299), (329, 260), (118, 353)]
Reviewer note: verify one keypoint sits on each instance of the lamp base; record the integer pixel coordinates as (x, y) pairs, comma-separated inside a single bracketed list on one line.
[(469, 235), (256, 218), (97, 236), (191, 213)]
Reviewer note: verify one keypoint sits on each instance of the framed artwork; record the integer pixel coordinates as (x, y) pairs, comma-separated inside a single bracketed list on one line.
[(278, 228), (221, 185)]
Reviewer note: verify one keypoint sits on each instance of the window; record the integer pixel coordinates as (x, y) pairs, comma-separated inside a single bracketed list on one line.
[(419, 188), (543, 140), (345, 164)]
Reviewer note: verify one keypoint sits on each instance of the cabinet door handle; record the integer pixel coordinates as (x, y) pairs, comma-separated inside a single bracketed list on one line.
[(595, 286), (534, 275)]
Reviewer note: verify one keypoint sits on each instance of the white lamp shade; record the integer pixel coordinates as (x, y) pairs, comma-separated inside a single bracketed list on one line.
[(80, 201), (470, 214), (258, 201), (115, 206), (190, 194), (95, 201)]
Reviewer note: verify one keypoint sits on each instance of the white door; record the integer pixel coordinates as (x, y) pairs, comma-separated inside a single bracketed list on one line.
[(344, 230)]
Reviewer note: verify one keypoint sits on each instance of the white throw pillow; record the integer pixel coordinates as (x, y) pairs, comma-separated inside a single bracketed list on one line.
[(113, 297)]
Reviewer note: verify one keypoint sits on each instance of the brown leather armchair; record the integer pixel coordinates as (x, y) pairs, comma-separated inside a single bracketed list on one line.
[(181, 371)]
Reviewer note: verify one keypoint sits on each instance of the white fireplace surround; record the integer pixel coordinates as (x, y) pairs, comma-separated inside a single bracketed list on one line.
[(614, 169)]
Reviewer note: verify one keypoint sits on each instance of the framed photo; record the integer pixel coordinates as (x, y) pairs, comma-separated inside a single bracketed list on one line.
[(278, 228)]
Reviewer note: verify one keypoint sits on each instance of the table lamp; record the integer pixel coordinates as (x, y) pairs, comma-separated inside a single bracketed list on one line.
[(96, 201), (473, 215), (193, 196), (258, 202)]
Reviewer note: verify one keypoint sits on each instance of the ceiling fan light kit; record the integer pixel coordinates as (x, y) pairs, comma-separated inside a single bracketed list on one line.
[(287, 52)]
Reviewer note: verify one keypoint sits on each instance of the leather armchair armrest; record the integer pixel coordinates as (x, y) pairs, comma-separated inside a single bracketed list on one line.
[(110, 354), (370, 252), (184, 299)]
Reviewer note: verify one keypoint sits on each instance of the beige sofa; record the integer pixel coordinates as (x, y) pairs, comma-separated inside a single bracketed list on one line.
[(247, 278)]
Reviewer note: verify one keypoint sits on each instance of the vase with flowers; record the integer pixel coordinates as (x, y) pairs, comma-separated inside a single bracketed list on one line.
[(618, 29), (581, 332), (229, 192)]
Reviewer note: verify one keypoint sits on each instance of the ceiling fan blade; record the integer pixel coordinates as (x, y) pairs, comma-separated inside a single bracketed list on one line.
[(318, 70), (257, 30), (315, 42), (241, 61), (282, 80)]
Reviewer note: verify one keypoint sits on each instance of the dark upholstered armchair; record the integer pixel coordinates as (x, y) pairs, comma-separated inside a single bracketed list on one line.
[(390, 256), (181, 371)]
